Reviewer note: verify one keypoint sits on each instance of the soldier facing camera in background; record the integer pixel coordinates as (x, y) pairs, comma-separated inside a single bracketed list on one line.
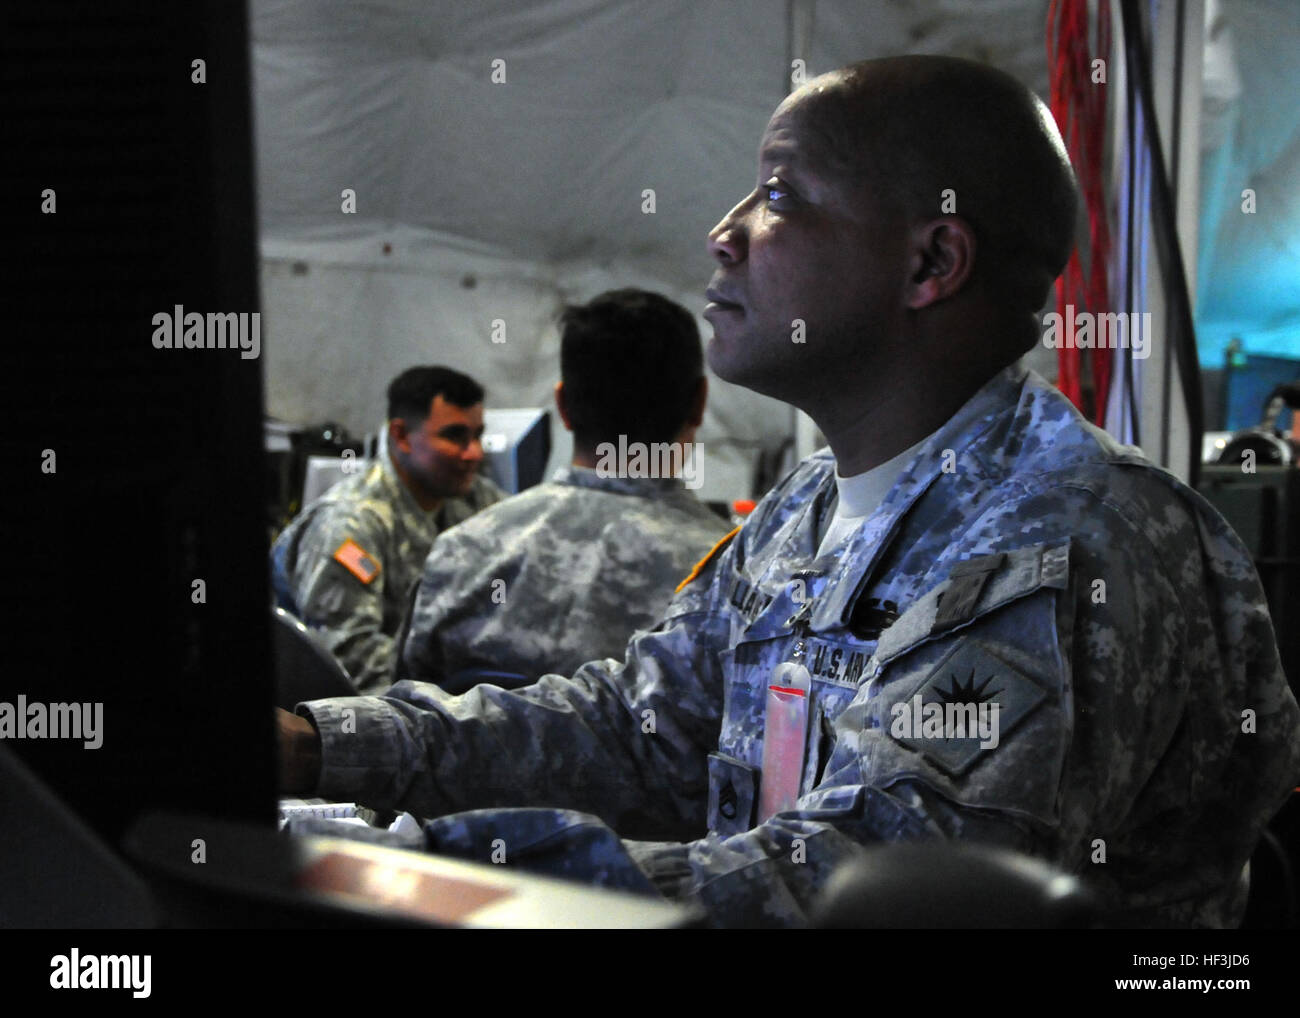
[(347, 562)]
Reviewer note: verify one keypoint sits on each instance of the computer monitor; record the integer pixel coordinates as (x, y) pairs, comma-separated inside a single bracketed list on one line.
[(1249, 382), (517, 444), (323, 472), (140, 678), (134, 447)]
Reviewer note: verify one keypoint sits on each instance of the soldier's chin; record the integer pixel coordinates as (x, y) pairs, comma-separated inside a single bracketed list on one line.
[(726, 354), (464, 485), (449, 486), (733, 359)]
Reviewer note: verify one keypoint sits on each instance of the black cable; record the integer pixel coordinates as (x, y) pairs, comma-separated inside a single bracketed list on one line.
[(1177, 301), (1130, 394), (1175, 126)]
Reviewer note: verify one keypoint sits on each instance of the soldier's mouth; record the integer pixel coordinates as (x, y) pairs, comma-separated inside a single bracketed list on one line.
[(717, 302)]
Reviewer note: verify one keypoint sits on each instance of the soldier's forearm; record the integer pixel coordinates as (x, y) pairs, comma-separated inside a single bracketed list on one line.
[(300, 755)]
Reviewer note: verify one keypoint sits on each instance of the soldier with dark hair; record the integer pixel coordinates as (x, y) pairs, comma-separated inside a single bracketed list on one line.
[(566, 571), (631, 364), (969, 552), (347, 562)]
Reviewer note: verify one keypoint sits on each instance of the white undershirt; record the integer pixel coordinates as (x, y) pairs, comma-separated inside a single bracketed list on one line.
[(861, 494)]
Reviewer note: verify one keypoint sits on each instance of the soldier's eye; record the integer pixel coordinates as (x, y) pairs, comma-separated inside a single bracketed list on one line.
[(775, 193)]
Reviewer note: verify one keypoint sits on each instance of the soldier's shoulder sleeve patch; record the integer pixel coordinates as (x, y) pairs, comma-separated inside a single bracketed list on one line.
[(712, 553), (967, 704), (356, 560)]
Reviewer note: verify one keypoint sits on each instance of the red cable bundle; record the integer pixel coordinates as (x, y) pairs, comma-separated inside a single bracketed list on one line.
[(1079, 106)]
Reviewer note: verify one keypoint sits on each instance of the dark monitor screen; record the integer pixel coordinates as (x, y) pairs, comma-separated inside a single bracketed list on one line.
[(136, 541)]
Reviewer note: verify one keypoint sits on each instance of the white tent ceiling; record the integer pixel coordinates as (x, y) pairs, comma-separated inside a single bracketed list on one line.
[(602, 100)]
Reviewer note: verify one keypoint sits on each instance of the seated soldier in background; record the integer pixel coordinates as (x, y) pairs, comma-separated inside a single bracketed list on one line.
[(566, 571), (347, 562)]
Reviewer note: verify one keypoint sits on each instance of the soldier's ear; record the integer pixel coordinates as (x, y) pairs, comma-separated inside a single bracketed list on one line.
[(561, 406), (942, 259), (399, 436), (698, 400)]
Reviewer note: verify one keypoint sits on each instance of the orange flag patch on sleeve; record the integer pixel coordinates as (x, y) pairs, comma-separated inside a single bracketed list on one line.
[(356, 560)]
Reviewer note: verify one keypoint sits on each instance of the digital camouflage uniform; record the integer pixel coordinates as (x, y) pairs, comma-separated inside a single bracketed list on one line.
[(556, 576), (346, 564), (1117, 620)]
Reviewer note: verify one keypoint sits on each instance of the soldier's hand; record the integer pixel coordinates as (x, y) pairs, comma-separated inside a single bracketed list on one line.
[(299, 746)]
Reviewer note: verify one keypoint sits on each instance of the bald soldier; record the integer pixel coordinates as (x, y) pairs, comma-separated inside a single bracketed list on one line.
[(975, 616)]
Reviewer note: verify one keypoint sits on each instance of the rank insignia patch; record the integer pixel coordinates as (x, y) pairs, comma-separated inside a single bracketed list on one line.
[(356, 560)]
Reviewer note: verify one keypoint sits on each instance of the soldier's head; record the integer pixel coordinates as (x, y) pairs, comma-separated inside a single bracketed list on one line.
[(630, 364), (435, 431), (908, 212)]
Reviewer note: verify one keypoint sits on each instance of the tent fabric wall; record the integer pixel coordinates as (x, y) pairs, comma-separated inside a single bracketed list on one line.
[(342, 320), (1249, 262)]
